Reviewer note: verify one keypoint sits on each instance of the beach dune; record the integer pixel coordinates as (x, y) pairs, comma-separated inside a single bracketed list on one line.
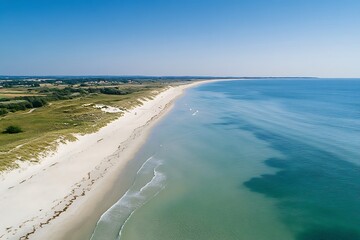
[(52, 199)]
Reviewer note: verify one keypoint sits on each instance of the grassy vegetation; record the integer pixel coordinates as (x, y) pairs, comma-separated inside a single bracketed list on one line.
[(9, 102), (43, 127), (18, 92)]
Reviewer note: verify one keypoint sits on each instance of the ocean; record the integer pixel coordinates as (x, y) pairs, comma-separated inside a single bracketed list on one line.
[(267, 159)]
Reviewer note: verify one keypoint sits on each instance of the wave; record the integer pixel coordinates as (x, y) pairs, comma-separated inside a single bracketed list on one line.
[(148, 183)]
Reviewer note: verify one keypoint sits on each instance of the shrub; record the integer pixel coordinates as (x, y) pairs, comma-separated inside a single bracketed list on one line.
[(37, 103), (113, 91), (3, 111), (13, 129)]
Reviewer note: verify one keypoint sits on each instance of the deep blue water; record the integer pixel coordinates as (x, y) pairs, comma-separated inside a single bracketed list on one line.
[(260, 160), (318, 186)]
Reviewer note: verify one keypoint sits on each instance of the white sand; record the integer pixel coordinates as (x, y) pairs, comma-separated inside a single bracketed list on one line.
[(44, 200)]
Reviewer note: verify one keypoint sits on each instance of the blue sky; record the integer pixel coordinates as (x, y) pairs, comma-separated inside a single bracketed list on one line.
[(183, 37)]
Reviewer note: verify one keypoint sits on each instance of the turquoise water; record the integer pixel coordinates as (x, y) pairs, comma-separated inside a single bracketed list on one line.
[(252, 160)]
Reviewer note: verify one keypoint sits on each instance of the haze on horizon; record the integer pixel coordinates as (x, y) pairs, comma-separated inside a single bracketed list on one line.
[(188, 37)]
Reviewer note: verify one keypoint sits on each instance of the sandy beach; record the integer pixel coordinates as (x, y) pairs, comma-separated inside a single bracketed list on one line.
[(59, 198)]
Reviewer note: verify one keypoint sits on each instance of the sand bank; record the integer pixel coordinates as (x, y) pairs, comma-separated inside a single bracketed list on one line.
[(70, 189)]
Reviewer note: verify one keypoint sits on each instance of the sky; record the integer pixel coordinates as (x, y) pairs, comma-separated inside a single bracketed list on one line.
[(180, 37)]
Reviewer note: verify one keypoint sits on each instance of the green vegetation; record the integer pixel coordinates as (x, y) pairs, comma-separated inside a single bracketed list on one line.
[(50, 111), (58, 113), (67, 92), (13, 129), (15, 105), (3, 111)]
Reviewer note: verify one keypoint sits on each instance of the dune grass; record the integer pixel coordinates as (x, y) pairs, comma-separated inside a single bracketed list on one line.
[(18, 92), (43, 128)]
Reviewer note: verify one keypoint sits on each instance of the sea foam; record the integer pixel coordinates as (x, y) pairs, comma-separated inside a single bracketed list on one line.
[(148, 183)]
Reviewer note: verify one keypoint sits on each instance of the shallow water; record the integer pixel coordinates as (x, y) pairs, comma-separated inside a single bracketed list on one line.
[(260, 160)]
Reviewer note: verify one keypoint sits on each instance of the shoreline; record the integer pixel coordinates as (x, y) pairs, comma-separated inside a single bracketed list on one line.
[(64, 195)]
